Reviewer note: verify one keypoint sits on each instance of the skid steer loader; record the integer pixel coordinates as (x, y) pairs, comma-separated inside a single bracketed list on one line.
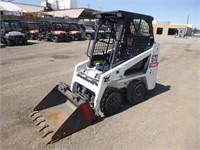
[(122, 66)]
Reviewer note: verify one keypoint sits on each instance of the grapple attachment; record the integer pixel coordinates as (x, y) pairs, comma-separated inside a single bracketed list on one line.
[(61, 113)]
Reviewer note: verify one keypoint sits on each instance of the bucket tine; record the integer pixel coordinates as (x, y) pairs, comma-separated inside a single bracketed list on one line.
[(36, 116), (46, 132), (39, 120), (43, 126), (33, 113)]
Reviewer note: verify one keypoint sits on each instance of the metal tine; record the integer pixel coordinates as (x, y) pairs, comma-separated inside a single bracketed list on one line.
[(33, 113), (39, 120), (43, 127), (36, 116), (46, 132)]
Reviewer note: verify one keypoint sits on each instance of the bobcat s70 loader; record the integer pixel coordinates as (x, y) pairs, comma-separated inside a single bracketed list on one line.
[(121, 66)]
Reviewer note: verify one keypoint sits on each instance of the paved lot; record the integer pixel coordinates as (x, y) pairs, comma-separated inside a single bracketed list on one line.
[(167, 119)]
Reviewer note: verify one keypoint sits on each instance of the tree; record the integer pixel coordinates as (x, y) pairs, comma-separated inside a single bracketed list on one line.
[(195, 30)]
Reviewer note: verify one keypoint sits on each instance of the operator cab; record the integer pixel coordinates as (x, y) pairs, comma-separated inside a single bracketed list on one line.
[(10, 25), (130, 34)]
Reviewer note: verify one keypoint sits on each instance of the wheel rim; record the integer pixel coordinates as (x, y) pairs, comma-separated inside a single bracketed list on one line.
[(113, 103), (88, 36), (139, 93), (55, 39)]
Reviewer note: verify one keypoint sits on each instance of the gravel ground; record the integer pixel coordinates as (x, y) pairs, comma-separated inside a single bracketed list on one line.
[(167, 119)]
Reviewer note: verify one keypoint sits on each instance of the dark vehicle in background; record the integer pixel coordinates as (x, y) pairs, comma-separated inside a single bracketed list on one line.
[(107, 31), (44, 31), (74, 30), (31, 29), (102, 33), (53, 31), (90, 32), (82, 29), (11, 33)]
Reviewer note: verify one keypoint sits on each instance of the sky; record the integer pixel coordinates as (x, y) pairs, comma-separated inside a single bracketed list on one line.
[(173, 11)]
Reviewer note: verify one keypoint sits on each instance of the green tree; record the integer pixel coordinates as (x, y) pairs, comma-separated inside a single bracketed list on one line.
[(195, 30)]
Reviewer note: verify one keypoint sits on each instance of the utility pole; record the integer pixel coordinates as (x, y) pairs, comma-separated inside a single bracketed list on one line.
[(57, 4), (187, 24), (88, 5), (188, 19)]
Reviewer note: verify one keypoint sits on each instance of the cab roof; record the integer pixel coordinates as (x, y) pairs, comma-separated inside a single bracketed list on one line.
[(124, 14)]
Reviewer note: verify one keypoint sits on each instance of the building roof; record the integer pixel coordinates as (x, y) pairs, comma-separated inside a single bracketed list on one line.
[(8, 6), (173, 25), (30, 8), (80, 13), (2, 9), (75, 13), (18, 7), (72, 13)]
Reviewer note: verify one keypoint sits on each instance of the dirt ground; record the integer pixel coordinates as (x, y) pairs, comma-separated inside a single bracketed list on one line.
[(169, 118)]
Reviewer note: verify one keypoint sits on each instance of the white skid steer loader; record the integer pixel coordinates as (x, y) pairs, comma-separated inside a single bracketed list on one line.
[(121, 66)]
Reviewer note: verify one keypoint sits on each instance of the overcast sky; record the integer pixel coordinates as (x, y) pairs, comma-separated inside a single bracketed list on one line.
[(175, 11)]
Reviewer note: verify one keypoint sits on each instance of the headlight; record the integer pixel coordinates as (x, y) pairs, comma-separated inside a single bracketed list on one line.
[(59, 32), (101, 31), (74, 32)]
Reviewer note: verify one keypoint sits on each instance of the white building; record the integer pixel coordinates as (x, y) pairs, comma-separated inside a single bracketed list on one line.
[(60, 4)]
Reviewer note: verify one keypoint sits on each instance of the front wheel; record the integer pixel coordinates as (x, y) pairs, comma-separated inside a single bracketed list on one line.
[(31, 37), (8, 43), (111, 101), (135, 92)]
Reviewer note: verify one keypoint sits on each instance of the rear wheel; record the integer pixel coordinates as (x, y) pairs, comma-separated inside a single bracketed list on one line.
[(111, 101), (135, 92), (55, 39), (24, 42), (39, 38), (88, 37)]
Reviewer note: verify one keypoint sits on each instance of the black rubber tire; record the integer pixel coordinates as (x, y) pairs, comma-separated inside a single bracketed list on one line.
[(107, 36), (88, 37), (31, 37), (111, 101), (8, 43), (55, 39), (99, 36), (135, 92), (24, 42), (39, 38)]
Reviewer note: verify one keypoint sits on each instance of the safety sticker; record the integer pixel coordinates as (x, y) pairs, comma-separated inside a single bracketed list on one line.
[(153, 64)]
